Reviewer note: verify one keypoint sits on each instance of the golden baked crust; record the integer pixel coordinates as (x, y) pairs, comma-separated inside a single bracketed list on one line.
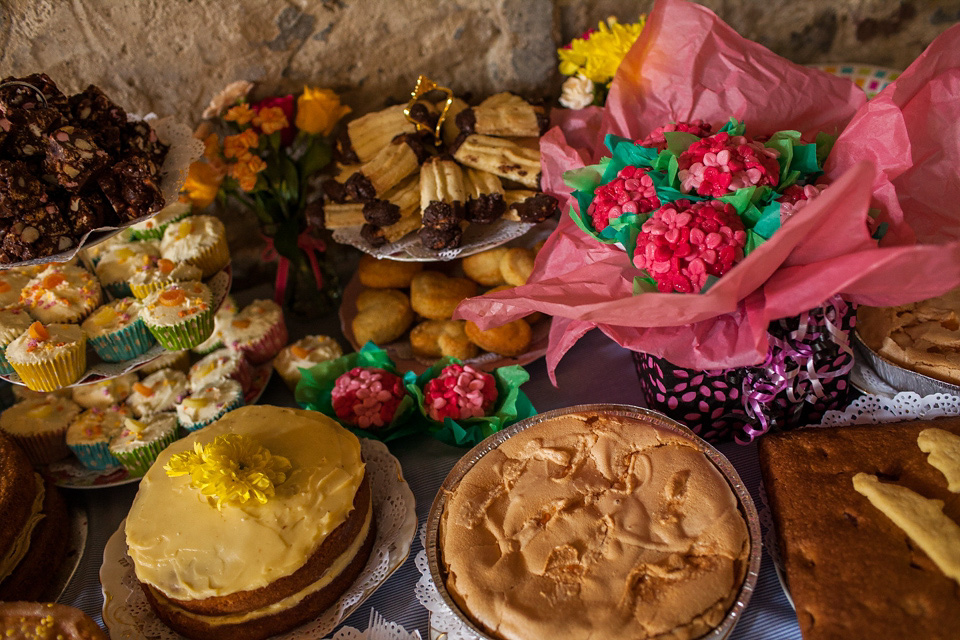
[(383, 315), (43, 620), (436, 296), (852, 572), (484, 267), (31, 578), (594, 526), (386, 274), (436, 338), (510, 339)]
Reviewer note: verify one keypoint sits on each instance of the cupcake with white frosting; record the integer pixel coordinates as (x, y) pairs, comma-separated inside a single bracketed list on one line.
[(303, 354), (11, 282), (156, 273), (198, 240), (89, 435), (61, 293), (49, 357), (209, 403), (39, 426), (153, 228), (140, 441), (179, 315), (222, 364), (258, 331), (13, 322), (159, 391), (104, 393), (116, 331), (119, 264)]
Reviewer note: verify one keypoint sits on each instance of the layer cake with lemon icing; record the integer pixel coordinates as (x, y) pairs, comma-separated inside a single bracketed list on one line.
[(34, 526), (223, 559), (594, 526)]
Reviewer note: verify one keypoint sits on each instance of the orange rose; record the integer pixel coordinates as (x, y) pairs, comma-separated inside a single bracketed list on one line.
[(319, 110)]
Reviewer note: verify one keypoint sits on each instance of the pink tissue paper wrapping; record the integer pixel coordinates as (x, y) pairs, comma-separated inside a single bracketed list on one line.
[(899, 153)]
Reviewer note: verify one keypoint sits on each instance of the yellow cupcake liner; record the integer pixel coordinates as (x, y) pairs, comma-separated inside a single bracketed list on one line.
[(213, 258), (60, 371), (141, 291)]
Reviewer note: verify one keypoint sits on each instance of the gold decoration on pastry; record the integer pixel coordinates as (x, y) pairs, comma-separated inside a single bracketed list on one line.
[(424, 86)]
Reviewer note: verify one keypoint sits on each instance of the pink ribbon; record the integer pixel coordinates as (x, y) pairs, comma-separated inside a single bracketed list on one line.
[(306, 243)]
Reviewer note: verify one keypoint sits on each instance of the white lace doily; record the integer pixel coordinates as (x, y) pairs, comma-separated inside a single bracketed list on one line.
[(476, 238), (442, 619), (377, 629), (98, 370), (129, 617), (869, 409), (184, 149)]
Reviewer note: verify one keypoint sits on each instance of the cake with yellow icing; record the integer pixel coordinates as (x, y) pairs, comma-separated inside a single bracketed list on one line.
[(220, 557), (594, 526)]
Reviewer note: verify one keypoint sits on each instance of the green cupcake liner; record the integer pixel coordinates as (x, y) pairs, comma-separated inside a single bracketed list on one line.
[(157, 232), (5, 367), (123, 344), (236, 404), (118, 290), (185, 335), (95, 456), (138, 461)]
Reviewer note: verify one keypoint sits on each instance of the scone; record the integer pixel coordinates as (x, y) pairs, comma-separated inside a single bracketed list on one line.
[(511, 339), (436, 296), (386, 274), (439, 338), (484, 267), (383, 315)]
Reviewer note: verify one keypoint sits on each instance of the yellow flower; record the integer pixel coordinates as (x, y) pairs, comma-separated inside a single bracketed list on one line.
[(598, 56), (270, 119), (232, 470), (202, 184), (318, 111), (236, 146), (211, 146), (241, 114)]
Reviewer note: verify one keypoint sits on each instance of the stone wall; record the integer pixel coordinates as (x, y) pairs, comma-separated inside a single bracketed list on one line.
[(172, 56)]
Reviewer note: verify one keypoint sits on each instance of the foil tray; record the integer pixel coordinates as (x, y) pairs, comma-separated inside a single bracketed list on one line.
[(899, 378), (747, 508)]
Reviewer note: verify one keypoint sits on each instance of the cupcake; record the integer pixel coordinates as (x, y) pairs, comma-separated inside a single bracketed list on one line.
[(49, 357), (198, 240), (159, 391), (61, 293), (104, 393), (179, 360), (89, 435), (179, 315), (221, 318), (156, 273), (118, 265), (116, 331), (153, 228), (13, 322), (39, 426), (303, 354), (97, 251), (258, 331), (139, 442), (223, 364), (209, 403), (11, 282), (367, 398)]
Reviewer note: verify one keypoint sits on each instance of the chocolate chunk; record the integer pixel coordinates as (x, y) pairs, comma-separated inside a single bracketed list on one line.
[(359, 188), (19, 189), (73, 157), (536, 208), (437, 238), (463, 135), (18, 96), (416, 143), (140, 139), (443, 215), (87, 211), (27, 131), (486, 208), (420, 114), (373, 235), (131, 188), (343, 150), (334, 191), (466, 121), (381, 212), (94, 111)]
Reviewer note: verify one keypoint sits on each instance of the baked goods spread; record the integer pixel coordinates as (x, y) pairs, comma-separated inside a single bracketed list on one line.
[(923, 336), (852, 571), (279, 558), (35, 523), (592, 525)]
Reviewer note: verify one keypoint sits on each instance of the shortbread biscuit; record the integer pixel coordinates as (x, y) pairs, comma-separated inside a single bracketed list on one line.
[(944, 450), (370, 133), (436, 296), (511, 339), (383, 315), (386, 274), (500, 157), (442, 338), (484, 267), (516, 265)]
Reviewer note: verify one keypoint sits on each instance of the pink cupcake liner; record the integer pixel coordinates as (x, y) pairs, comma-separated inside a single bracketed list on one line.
[(267, 346), (243, 374)]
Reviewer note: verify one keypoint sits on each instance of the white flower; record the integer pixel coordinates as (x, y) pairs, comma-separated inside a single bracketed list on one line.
[(227, 98), (577, 92)]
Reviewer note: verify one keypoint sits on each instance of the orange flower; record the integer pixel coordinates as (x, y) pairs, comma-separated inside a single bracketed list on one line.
[(241, 114), (211, 147), (202, 184), (270, 119), (245, 171), (318, 111), (236, 146)]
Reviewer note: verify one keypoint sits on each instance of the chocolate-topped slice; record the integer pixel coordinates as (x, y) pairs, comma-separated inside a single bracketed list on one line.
[(438, 238), (87, 210), (73, 157), (381, 212), (36, 233)]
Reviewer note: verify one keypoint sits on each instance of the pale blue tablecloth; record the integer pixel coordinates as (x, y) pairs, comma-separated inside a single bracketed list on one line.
[(595, 371)]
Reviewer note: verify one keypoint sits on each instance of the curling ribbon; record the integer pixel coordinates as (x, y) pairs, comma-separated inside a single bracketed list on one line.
[(306, 243)]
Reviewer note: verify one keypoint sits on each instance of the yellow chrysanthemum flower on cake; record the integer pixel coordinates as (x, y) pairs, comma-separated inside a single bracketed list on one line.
[(232, 470)]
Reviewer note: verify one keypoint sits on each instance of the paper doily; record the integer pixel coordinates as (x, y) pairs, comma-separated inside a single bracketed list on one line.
[(129, 617), (868, 409), (442, 619), (377, 629)]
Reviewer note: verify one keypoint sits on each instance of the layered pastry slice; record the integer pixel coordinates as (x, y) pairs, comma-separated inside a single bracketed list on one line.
[(255, 553)]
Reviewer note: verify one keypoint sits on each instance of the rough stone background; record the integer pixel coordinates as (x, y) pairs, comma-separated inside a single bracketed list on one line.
[(172, 56)]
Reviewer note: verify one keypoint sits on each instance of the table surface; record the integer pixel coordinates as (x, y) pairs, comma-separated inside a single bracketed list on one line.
[(596, 370)]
